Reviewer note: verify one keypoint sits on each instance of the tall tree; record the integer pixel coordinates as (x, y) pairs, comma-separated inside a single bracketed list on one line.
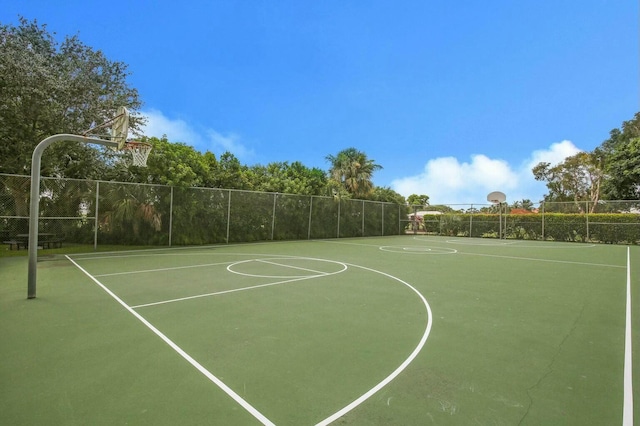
[(525, 204), (294, 178), (418, 200), (352, 170), (231, 174), (47, 88), (387, 195), (176, 164), (578, 178), (622, 154)]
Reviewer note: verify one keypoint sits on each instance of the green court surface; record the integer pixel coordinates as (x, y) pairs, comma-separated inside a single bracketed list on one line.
[(404, 330)]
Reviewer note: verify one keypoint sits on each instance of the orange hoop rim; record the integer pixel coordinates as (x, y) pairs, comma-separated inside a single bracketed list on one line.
[(136, 144)]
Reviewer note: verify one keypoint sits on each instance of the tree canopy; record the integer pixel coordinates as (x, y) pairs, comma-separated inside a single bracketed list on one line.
[(418, 200), (353, 171), (48, 88), (622, 168), (610, 172)]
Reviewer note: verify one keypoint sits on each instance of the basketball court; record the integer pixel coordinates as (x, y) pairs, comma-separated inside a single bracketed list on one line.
[(388, 330)]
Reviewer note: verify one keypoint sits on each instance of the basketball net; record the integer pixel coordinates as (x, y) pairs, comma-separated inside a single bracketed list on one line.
[(139, 152)]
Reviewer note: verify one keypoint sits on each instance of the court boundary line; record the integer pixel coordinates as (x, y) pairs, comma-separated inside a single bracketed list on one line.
[(628, 392), (627, 416), (226, 389)]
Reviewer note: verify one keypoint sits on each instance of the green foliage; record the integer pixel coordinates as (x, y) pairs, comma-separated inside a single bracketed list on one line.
[(578, 178), (623, 161), (418, 200), (611, 171), (353, 170), (291, 217), (524, 204), (176, 164), (199, 216), (324, 217), (287, 178), (48, 88), (387, 195), (231, 174), (135, 214), (613, 228), (351, 218)]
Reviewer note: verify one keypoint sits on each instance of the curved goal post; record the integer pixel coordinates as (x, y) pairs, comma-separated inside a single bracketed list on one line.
[(117, 139)]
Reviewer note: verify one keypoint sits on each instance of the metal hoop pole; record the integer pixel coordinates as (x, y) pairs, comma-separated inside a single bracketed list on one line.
[(34, 206)]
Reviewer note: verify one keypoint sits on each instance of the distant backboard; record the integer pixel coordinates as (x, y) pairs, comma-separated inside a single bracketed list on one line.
[(496, 197)]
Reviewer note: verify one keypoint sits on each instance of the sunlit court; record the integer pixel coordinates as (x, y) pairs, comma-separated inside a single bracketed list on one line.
[(384, 330)]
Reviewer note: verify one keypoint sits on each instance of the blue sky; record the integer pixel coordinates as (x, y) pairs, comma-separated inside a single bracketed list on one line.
[(453, 99)]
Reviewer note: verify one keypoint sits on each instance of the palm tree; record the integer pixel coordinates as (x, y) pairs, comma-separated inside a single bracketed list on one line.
[(128, 210), (353, 171)]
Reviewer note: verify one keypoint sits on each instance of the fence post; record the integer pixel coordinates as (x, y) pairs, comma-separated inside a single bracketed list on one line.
[(95, 231), (362, 218), (228, 215), (273, 215), (382, 230), (471, 222), (310, 214), (339, 202), (170, 216), (542, 205)]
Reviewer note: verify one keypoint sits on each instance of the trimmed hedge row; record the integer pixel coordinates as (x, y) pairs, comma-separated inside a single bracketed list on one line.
[(612, 228)]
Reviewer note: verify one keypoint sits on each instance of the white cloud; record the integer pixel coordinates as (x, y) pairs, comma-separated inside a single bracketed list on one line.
[(178, 130), (230, 142), (446, 180), (556, 153)]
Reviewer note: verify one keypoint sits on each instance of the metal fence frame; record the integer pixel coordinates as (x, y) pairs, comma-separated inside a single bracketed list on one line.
[(224, 215), (85, 211)]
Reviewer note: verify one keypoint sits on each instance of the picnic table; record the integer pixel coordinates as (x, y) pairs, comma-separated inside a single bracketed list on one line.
[(45, 240)]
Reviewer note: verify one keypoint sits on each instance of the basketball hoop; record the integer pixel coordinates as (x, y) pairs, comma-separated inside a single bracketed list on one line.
[(496, 197), (139, 152)]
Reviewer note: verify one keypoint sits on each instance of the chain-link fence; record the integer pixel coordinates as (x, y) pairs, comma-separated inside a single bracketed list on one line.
[(115, 213), (97, 212), (616, 222)]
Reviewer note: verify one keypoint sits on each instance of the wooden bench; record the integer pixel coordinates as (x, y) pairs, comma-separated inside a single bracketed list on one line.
[(52, 243), (45, 240), (16, 243)]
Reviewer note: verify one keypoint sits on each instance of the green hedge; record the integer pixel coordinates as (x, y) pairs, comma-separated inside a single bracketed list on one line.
[(612, 228)]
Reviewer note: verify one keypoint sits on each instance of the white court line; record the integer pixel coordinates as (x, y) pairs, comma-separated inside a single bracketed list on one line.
[(254, 412), (293, 267), (569, 262), (335, 416), (217, 293), (627, 416), (173, 268), (499, 256)]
